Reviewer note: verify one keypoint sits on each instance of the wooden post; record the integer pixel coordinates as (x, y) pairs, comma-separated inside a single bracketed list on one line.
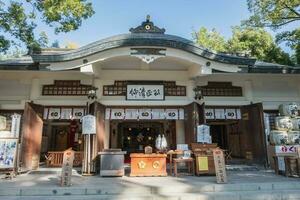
[(66, 172), (220, 165)]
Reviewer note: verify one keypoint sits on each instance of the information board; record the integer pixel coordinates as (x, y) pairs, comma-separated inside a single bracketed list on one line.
[(89, 124)]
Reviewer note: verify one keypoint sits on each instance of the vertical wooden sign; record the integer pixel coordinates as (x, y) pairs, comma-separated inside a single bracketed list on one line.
[(220, 166), (66, 172)]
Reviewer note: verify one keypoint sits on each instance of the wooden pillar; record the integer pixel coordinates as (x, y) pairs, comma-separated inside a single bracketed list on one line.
[(32, 129)]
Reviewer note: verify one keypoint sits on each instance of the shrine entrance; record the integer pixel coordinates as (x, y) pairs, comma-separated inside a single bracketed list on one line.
[(134, 136)]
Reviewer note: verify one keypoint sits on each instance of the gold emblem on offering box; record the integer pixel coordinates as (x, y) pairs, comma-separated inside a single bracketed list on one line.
[(142, 165), (155, 164)]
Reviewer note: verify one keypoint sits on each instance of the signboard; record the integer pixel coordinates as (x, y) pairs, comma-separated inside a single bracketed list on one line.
[(66, 172), (202, 163), (203, 134), (286, 149), (89, 124), (145, 92), (2, 123), (8, 152), (15, 125), (219, 162)]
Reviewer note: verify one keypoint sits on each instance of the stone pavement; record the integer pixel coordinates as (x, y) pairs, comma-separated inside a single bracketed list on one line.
[(243, 185)]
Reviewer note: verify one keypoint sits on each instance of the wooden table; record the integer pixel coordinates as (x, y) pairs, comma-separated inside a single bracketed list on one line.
[(189, 161), (148, 164), (171, 154)]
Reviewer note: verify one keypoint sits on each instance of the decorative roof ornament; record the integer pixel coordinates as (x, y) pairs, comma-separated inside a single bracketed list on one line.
[(147, 27)]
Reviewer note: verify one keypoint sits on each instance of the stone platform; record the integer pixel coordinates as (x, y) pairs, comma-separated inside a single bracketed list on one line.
[(242, 185)]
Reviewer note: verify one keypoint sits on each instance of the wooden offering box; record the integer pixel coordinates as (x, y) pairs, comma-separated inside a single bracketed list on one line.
[(148, 164)]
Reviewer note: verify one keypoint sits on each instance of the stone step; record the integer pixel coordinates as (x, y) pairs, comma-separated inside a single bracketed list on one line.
[(112, 189), (246, 195)]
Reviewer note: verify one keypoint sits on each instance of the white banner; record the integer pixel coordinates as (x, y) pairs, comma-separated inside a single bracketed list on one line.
[(158, 114), (117, 114), (145, 114), (145, 92), (107, 113), (209, 113), (131, 113), (78, 113), (220, 113), (171, 114), (238, 114), (230, 113), (89, 124), (181, 114), (54, 113), (66, 113)]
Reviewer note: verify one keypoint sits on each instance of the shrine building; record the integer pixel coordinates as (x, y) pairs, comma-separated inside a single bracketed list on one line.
[(139, 85)]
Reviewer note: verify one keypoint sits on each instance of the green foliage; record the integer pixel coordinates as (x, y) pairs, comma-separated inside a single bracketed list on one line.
[(209, 39), (273, 13), (276, 14), (255, 42), (17, 24)]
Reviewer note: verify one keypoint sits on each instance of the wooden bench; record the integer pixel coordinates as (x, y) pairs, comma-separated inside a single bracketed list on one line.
[(55, 158)]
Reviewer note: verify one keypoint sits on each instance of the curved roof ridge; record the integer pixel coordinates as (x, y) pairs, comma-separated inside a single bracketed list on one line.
[(141, 39)]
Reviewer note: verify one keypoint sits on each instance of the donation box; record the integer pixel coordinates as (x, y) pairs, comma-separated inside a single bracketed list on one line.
[(148, 164)]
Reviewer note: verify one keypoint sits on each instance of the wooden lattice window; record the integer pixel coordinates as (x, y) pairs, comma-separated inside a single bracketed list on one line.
[(221, 89), (171, 89), (66, 88), (119, 88)]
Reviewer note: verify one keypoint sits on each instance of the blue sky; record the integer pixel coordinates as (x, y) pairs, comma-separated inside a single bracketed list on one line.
[(178, 17)]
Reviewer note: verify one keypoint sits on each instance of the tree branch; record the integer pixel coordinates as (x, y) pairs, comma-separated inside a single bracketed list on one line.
[(291, 9)]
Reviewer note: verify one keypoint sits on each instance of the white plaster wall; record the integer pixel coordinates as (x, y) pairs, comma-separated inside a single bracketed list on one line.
[(17, 87), (270, 89)]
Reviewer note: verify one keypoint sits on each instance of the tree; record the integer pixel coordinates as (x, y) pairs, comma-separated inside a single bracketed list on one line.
[(276, 14), (258, 43), (273, 13), (209, 39), (18, 19)]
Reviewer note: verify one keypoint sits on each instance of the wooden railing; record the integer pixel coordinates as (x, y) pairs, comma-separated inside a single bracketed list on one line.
[(55, 158)]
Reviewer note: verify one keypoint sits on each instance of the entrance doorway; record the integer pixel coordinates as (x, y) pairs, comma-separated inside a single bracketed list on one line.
[(219, 135), (134, 136), (228, 136)]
